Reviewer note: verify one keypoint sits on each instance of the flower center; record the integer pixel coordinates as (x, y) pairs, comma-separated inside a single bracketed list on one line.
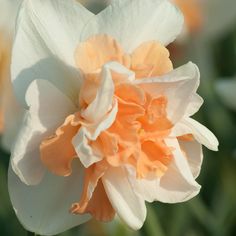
[(119, 123)]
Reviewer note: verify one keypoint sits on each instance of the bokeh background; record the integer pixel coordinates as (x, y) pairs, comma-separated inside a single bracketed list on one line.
[(209, 40)]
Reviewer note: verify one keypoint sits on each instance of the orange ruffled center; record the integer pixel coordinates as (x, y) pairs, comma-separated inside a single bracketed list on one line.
[(135, 138)]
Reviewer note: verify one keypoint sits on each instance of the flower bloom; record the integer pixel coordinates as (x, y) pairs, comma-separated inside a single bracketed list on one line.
[(107, 123)]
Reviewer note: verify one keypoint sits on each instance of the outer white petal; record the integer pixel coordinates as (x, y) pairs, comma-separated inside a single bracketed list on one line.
[(129, 206), (179, 86), (226, 89), (194, 105), (47, 35), (201, 133), (58, 23), (133, 22), (194, 154), (177, 185), (44, 209), (48, 110)]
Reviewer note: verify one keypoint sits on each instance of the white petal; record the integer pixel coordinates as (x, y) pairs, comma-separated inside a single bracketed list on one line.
[(104, 98), (58, 23), (87, 155), (84, 151), (131, 22), (226, 89), (44, 209), (194, 105), (130, 208), (48, 103), (177, 185), (41, 121), (202, 134), (179, 86), (45, 42), (194, 154)]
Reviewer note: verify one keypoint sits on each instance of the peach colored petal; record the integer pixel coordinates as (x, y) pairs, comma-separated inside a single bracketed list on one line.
[(186, 137), (155, 118), (151, 59), (130, 93), (91, 55), (94, 199), (154, 158), (138, 132), (57, 152)]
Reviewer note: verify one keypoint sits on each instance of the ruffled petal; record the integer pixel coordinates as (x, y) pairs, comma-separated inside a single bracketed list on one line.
[(151, 59), (178, 87), (103, 100), (57, 151), (94, 199), (102, 48), (88, 135), (84, 150), (176, 185), (132, 22), (41, 121)]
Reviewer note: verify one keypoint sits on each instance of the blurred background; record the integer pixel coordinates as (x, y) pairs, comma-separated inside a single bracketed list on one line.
[(209, 40)]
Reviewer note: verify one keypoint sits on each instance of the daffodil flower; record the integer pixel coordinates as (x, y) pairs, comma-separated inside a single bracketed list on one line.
[(108, 120)]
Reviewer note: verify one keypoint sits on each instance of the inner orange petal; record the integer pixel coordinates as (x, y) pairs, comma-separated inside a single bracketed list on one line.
[(130, 93), (151, 59), (91, 55), (57, 152), (155, 118), (186, 137), (94, 199)]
